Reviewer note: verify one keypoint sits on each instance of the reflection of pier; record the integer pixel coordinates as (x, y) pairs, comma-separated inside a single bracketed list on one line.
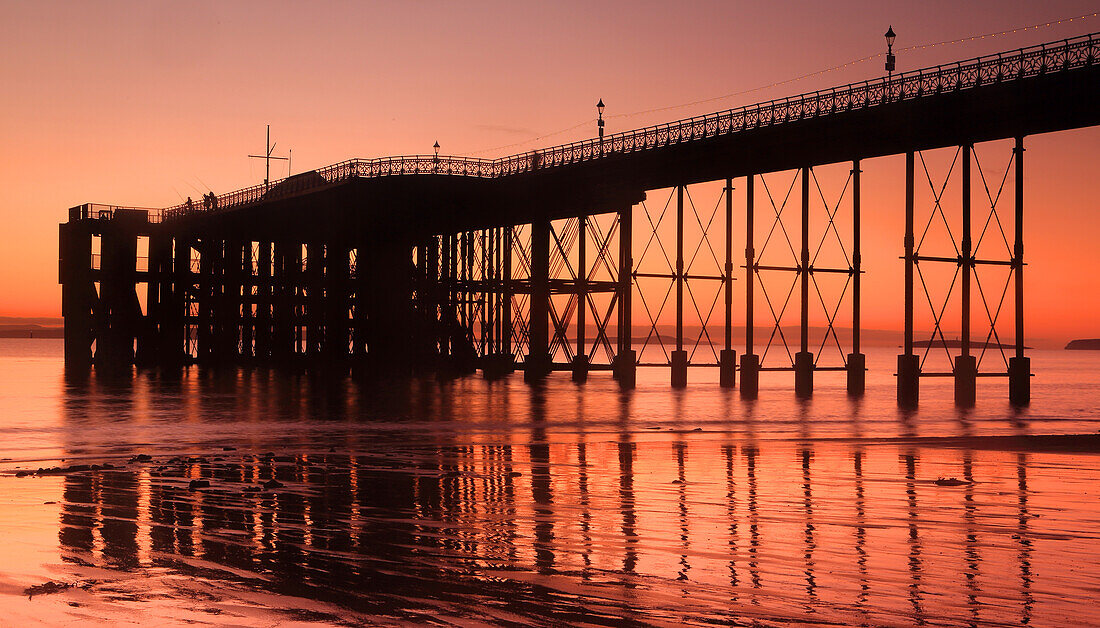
[(519, 524), (548, 260)]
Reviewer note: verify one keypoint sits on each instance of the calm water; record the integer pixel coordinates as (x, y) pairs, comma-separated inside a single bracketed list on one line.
[(497, 502)]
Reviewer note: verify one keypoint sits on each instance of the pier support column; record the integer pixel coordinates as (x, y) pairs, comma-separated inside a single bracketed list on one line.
[(679, 368), (78, 294), (679, 356), (727, 359), (182, 296), (750, 362), (121, 320), (857, 362), (909, 364), (1019, 367), (537, 365), (966, 365), (580, 361), (750, 376), (626, 360), (263, 302), (804, 374), (804, 360)]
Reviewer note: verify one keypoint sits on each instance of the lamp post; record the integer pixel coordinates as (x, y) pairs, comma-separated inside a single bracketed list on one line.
[(890, 52), (599, 122), (435, 160)]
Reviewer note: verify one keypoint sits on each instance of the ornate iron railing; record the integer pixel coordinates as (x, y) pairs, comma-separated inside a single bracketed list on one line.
[(1023, 63)]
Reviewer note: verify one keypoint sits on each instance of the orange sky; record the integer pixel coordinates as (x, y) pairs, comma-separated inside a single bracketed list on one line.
[(146, 103)]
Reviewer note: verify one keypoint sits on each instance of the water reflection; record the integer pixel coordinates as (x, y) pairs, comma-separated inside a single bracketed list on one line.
[(488, 500)]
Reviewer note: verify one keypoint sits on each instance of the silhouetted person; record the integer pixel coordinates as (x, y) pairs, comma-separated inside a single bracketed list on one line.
[(189, 205)]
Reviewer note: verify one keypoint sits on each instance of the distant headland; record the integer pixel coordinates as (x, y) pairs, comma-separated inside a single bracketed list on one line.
[(1086, 344)]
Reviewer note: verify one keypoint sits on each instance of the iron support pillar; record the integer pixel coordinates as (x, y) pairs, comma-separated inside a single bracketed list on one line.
[(626, 361), (750, 376), (538, 363), (507, 356), (966, 369), (804, 360), (206, 297), (580, 361), (1019, 367), (178, 312), (679, 356), (78, 295), (121, 321), (336, 293), (909, 364), (857, 362), (750, 362), (263, 302), (727, 359)]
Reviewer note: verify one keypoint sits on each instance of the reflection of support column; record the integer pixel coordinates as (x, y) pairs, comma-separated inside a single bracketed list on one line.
[(626, 359), (861, 533), (908, 363), (857, 362), (1019, 367), (804, 360), (580, 362), (808, 532), (627, 505), (679, 356), (537, 365), (750, 362), (682, 507), (727, 360), (1024, 555), (966, 365), (731, 516), (750, 452), (916, 568)]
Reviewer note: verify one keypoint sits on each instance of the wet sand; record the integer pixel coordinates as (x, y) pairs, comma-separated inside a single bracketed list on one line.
[(257, 499), (685, 528)]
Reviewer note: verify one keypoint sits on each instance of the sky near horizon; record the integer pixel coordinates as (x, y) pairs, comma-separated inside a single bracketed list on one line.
[(146, 103)]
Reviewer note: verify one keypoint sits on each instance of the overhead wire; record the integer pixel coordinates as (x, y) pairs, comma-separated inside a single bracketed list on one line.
[(948, 42)]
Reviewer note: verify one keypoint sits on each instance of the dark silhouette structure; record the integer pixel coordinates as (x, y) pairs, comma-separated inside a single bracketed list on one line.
[(456, 263)]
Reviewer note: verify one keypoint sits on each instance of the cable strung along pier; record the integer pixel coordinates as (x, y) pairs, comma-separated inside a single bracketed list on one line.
[(531, 261)]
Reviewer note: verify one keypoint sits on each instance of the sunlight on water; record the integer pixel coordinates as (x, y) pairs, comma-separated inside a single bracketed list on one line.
[(336, 501)]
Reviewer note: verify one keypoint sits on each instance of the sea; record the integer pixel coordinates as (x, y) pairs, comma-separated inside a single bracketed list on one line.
[(258, 497)]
